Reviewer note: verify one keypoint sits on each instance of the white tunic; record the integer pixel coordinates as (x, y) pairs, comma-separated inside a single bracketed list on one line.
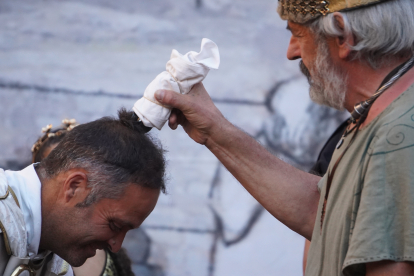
[(23, 225)]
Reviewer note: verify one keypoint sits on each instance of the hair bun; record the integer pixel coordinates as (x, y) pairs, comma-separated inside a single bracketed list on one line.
[(131, 120)]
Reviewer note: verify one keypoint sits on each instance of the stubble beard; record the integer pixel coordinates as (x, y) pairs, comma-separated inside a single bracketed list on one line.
[(327, 82), (61, 232)]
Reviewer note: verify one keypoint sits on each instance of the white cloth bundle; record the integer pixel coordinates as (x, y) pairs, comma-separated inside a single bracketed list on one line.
[(183, 71)]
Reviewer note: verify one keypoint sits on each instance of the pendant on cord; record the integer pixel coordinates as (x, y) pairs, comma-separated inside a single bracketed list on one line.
[(340, 143)]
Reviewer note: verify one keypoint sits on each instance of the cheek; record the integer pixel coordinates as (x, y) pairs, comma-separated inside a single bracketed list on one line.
[(104, 235), (102, 231), (99, 229), (98, 234)]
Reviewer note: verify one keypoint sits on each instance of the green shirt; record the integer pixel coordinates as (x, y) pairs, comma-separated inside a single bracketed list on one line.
[(370, 209)]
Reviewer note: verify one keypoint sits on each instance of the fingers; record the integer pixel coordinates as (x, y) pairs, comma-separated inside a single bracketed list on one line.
[(193, 109), (182, 102), (176, 118), (170, 98), (174, 100), (173, 121)]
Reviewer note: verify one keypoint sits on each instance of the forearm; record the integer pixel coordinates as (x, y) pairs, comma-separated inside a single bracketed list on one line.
[(387, 268), (289, 194)]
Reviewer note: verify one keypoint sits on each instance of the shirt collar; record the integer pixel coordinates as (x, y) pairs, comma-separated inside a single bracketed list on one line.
[(27, 187)]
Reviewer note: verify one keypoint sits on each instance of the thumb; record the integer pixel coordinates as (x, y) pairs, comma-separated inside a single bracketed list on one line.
[(170, 98)]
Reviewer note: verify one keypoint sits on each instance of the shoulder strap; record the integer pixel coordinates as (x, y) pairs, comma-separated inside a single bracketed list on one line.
[(6, 239), (3, 230), (9, 189)]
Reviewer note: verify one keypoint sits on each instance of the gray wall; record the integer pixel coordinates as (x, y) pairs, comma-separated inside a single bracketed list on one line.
[(85, 59)]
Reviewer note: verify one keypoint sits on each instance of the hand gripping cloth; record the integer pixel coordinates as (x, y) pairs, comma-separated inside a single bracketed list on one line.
[(183, 71)]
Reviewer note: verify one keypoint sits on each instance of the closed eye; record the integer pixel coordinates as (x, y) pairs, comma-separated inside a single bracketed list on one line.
[(114, 227)]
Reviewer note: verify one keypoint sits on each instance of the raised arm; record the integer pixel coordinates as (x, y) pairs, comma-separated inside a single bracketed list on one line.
[(289, 194)]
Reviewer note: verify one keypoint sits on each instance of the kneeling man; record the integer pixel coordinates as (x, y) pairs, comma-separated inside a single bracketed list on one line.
[(102, 180)]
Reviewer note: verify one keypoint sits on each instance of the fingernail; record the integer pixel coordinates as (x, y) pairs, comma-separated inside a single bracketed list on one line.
[(159, 95)]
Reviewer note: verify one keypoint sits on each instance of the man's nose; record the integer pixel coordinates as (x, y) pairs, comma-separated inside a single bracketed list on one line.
[(115, 242), (293, 51)]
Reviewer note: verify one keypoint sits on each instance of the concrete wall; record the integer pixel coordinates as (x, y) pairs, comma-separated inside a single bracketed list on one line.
[(85, 59)]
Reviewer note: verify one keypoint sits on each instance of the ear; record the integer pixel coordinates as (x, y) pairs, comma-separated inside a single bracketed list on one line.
[(75, 187), (345, 42)]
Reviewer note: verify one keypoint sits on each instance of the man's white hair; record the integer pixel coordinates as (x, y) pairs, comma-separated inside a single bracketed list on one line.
[(383, 31)]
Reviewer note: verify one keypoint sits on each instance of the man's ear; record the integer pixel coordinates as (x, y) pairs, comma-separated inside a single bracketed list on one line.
[(75, 187), (345, 42)]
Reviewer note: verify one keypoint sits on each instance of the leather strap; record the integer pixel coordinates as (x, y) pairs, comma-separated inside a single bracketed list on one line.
[(9, 189), (3, 229), (6, 239)]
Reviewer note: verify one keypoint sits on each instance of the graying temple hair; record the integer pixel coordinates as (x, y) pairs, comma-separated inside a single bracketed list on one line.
[(382, 31), (99, 176)]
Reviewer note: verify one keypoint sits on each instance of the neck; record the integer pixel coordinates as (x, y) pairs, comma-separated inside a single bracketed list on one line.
[(363, 81), (46, 196)]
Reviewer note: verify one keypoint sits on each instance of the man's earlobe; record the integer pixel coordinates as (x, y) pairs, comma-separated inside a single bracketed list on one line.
[(76, 187)]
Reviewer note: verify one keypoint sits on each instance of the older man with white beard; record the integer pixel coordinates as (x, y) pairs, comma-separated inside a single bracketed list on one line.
[(355, 53)]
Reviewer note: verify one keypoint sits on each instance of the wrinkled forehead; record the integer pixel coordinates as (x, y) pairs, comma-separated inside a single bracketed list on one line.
[(302, 11)]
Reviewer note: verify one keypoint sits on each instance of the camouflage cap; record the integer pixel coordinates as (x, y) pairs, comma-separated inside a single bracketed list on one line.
[(301, 11)]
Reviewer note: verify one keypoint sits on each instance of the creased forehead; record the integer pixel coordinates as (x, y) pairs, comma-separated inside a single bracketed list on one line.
[(302, 11)]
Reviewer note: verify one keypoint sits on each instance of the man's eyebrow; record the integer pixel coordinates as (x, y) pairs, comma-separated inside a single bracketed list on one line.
[(288, 27)]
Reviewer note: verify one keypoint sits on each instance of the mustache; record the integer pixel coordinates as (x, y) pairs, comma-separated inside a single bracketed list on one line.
[(305, 70)]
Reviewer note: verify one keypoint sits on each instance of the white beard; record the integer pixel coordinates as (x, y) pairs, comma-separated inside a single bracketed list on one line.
[(327, 82)]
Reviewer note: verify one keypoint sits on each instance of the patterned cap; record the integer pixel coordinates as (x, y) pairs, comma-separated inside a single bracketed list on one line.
[(301, 11)]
